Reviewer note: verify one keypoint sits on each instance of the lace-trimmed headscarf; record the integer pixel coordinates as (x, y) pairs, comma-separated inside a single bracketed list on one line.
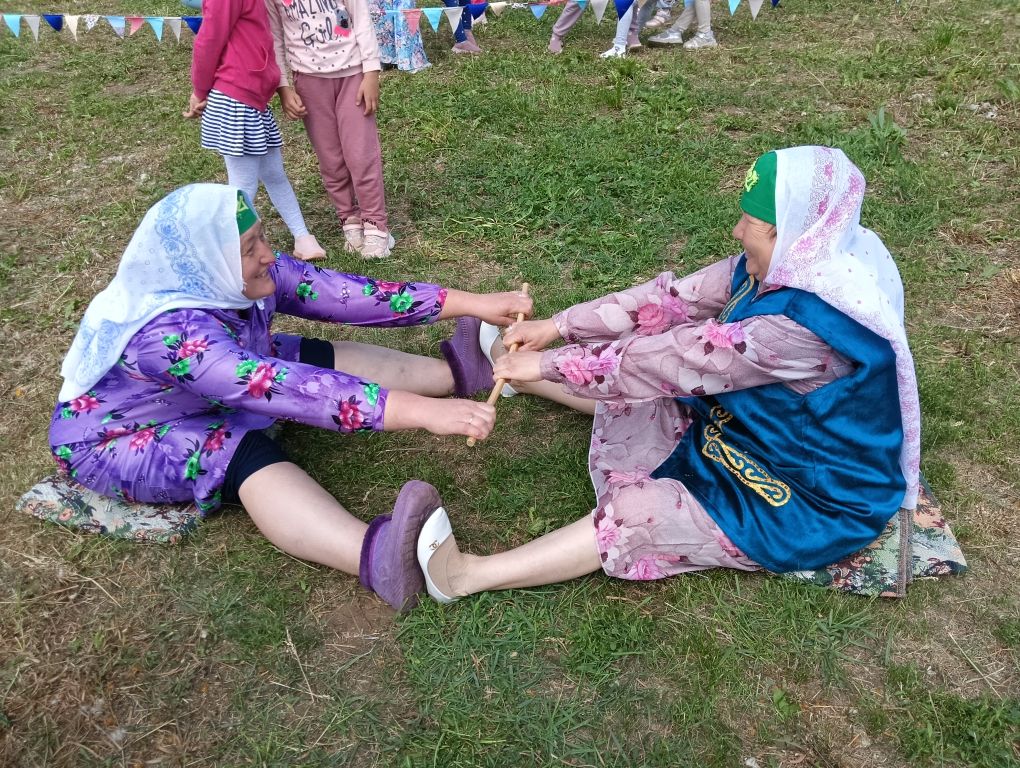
[(822, 248), (185, 253)]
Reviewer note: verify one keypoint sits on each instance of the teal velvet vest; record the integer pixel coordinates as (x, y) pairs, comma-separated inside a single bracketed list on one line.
[(798, 481)]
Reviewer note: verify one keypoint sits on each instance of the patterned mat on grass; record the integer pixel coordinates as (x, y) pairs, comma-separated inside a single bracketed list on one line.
[(60, 500), (916, 544)]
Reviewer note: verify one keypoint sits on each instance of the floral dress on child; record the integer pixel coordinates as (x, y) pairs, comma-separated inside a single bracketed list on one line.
[(397, 44)]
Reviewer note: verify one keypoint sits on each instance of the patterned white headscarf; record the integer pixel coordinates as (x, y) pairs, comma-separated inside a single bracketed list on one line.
[(822, 248), (185, 253)]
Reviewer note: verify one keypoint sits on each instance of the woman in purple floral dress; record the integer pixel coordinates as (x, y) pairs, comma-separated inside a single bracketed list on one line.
[(174, 373), (762, 412)]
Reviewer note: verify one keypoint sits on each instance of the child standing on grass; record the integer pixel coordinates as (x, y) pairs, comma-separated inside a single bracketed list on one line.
[(233, 76), (331, 49)]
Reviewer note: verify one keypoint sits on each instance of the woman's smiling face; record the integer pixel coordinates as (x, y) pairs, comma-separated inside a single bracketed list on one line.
[(759, 240), (256, 259)]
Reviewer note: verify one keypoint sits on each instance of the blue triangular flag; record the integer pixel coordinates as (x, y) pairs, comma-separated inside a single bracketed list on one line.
[(433, 15), (55, 20), (156, 22), (117, 22), (193, 22), (622, 6), (734, 4), (538, 10), (13, 21), (477, 9), (581, 4), (775, 3)]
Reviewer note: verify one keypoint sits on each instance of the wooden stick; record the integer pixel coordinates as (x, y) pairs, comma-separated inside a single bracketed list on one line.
[(494, 394)]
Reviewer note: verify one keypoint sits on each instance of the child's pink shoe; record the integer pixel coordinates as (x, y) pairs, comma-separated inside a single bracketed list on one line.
[(354, 237), (307, 248), (378, 244)]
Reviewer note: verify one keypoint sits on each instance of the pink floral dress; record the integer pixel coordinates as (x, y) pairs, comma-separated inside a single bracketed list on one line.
[(635, 352)]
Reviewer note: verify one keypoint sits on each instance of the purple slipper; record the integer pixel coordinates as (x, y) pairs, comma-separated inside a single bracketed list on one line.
[(389, 557), (472, 372)]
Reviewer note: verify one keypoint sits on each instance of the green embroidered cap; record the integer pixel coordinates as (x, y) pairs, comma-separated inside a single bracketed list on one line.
[(246, 216), (759, 196)]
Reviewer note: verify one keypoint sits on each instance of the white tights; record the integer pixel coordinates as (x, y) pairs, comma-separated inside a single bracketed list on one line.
[(248, 170)]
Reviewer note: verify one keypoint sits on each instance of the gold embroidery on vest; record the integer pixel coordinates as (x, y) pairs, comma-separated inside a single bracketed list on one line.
[(746, 469), (745, 288)]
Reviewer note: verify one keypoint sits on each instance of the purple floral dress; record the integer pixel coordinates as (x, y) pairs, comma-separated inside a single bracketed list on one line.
[(636, 351), (163, 424)]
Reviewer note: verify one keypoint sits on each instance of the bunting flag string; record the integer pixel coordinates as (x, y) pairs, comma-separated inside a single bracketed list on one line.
[(127, 26)]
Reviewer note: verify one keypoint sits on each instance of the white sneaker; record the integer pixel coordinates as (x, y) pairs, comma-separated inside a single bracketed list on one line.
[(616, 52), (354, 237), (669, 37), (487, 335), (660, 19), (378, 244), (701, 40)]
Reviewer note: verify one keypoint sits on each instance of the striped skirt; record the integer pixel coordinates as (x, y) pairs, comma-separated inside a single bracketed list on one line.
[(232, 128)]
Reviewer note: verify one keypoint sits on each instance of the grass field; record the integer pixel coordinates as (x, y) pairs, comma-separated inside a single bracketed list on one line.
[(579, 176)]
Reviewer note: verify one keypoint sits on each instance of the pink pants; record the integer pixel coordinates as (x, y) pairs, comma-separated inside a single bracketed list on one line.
[(347, 145)]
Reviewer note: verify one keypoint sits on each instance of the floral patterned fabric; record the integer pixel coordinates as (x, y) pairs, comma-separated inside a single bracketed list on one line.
[(916, 544), (397, 43), (636, 351), (163, 424), (60, 500)]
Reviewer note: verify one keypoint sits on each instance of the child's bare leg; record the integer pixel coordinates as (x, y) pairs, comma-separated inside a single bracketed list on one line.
[(393, 369), (545, 389), (301, 518), (561, 555)]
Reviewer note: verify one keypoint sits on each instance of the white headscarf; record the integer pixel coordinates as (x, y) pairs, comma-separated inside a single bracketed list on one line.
[(185, 253), (822, 248)]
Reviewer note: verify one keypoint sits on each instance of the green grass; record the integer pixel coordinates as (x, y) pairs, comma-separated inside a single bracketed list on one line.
[(579, 176)]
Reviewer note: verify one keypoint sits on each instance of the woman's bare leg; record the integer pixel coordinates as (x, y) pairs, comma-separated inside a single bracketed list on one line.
[(561, 555), (393, 369), (301, 518)]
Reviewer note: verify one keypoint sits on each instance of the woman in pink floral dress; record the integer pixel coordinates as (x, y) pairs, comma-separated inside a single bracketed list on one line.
[(761, 412)]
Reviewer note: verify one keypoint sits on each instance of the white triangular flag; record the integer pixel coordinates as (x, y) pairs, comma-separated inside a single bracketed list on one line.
[(72, 25), (599, 6), (453, 16), (174, 22), (33, 24), (755, 7), (497, 8), (91, 19)]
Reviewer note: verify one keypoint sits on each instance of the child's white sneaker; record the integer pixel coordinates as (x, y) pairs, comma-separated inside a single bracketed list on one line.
[(378, 244), (669, 37), (660, 19), (701, 40), (307, 248), (616, 52), (354, 237)]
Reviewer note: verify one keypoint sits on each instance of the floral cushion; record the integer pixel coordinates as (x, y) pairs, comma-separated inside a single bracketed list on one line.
[(60, 500), (914, 545)]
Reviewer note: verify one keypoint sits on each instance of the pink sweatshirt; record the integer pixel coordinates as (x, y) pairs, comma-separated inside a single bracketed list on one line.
[(326, 38), (233, 53)]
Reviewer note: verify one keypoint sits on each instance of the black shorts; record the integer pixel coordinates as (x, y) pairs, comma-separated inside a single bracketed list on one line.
[(256, 449)]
